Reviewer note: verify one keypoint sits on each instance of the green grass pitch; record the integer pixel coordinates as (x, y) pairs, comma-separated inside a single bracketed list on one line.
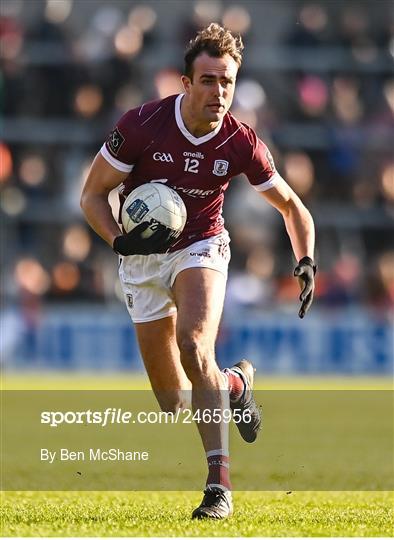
[(168, 513)]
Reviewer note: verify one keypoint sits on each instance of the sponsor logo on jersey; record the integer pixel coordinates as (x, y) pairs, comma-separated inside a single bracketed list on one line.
[(162, 156), (197, 155), (137, 210), (115, 141), (130, 300), (220, 167), (195, 192), (270, 159)]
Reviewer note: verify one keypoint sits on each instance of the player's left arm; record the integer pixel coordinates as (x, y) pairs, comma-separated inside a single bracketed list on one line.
[(301, 230)]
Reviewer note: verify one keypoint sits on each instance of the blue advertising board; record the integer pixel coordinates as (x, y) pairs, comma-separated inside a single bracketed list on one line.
[(355, 342)]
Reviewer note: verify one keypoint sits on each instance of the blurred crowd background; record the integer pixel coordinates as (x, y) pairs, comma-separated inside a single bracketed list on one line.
[(316, 84)]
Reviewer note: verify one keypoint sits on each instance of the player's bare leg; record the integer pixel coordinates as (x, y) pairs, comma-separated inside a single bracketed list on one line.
[(160, 353), (199, 295)]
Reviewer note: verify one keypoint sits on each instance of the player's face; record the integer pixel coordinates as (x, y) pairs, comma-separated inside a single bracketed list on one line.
[(210, 92)]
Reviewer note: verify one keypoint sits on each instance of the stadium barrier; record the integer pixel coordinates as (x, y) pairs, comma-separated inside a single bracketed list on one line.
[(64, 338)]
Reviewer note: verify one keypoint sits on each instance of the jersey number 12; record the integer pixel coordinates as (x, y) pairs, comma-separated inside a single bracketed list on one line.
[(191, 165)]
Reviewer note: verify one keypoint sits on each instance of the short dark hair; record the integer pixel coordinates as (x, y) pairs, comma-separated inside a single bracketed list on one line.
[(216, 41)]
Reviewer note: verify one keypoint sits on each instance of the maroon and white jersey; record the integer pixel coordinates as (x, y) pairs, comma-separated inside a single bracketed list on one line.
[(152, 144)]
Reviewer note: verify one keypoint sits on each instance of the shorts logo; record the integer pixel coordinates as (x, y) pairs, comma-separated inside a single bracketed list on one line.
[(161, 156), (130, 300), (223, 250), (115, 141), (137, 210), (202, 254), (220, 167)]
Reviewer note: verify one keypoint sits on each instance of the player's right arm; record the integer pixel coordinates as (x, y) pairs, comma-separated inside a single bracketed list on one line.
[(101, 180)]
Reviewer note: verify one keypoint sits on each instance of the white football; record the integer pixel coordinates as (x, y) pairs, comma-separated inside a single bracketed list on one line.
[(155, 203)]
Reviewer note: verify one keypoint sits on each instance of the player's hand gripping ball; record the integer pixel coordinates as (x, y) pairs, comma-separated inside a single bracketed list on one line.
[(153, 216), (305, 272)]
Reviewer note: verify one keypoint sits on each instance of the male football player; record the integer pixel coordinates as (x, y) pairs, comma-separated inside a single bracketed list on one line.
[(193, 144)]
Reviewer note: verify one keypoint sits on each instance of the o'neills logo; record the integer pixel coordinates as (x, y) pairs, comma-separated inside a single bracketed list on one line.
[(198, 155)]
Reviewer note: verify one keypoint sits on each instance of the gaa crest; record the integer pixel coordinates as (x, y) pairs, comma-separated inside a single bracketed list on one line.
[(130, 301), (220, 167)]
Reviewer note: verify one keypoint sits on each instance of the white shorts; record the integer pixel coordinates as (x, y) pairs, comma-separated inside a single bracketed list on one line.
[(147, 279)]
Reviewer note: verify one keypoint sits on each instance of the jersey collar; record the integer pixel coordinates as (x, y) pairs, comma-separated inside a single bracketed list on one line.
[(179, 120)]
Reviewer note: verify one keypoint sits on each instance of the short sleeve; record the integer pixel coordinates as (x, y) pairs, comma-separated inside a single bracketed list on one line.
[(261, 170), (123, 145)]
